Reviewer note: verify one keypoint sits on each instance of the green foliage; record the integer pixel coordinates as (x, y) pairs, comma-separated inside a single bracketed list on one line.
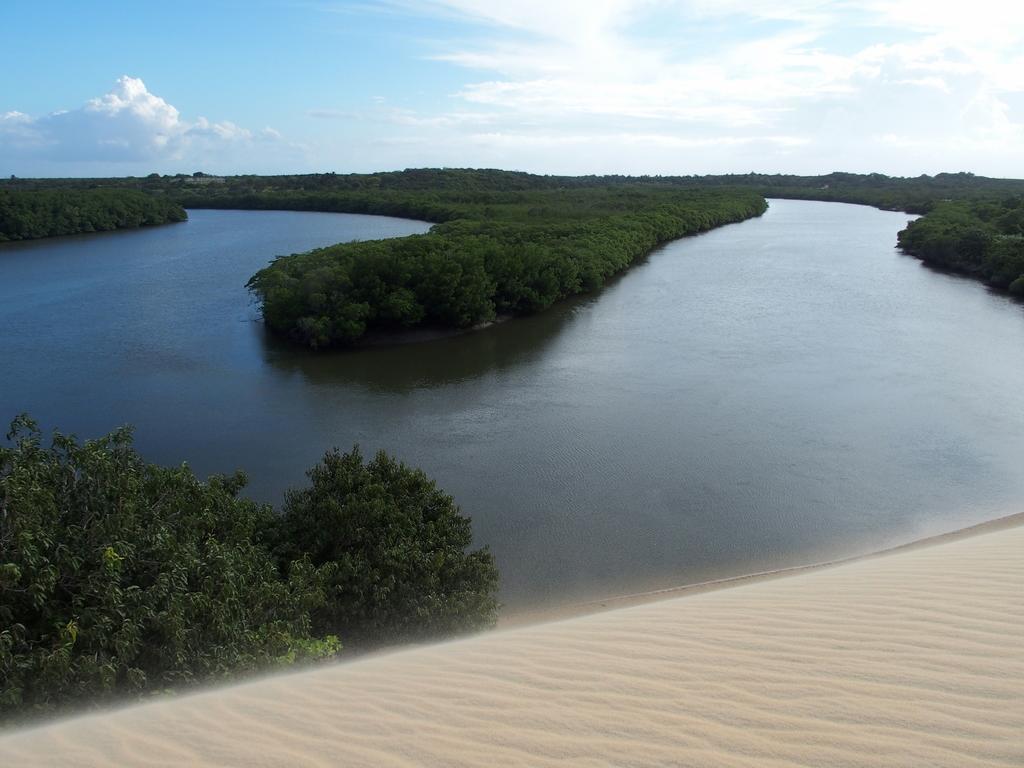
[(916, 194), (26, 215), (980, 238), (440, 195), (392, 549), (119, 577)]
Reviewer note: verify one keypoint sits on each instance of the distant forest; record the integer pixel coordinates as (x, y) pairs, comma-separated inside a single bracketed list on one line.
[(917, 194), (509, 243), (35, 213)]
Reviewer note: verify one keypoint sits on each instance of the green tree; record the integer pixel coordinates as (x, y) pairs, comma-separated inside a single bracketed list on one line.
[(118, 575), (392, 549)]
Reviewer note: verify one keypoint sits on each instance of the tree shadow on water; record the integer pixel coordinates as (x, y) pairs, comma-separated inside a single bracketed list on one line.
[(432, 363)]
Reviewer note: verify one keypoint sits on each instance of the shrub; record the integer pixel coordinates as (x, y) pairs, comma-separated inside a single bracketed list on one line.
[(120, 577), (391, 547)]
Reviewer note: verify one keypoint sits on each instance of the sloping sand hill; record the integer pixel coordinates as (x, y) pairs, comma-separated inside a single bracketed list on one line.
[(911, 659)]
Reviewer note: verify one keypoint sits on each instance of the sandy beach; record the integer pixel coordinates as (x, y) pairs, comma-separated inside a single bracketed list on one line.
[(913, 658)]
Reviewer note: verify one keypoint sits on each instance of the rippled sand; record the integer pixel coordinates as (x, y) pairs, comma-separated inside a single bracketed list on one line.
[(911, 659)]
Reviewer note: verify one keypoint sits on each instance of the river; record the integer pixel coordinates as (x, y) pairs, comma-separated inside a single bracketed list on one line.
[(785, 390)]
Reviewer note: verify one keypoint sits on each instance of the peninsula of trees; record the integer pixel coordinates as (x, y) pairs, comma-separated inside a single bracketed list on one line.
[(497, 253), (981, 238), (31, 214), (123, 578)]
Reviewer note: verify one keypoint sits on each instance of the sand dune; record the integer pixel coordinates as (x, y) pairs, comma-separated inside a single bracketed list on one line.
[(912, 659)]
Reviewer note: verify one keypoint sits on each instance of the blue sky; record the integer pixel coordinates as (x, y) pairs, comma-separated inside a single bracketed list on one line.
[(570, 86)]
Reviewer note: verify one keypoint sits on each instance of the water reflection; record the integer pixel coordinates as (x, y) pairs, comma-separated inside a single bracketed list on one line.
[(437, 363)]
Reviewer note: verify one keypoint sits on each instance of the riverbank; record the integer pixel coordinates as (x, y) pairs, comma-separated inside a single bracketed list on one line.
[(909, 658)]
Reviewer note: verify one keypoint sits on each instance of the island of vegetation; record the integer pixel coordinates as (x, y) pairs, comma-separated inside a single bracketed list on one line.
[(122, 578), (31, 214)]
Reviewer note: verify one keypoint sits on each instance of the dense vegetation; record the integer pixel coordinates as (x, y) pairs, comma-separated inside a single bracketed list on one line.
[(25, 215), (119, 577), (497, 253), (981, 239), (915, 194)]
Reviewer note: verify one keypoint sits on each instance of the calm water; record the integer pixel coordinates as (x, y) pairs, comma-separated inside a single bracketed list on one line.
[(782, 390)]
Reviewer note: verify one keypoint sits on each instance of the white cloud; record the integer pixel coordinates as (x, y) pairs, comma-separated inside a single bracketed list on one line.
[(16, 127), (128, 125), (714, 78), (648, 140), (404, 117), (226, 131)]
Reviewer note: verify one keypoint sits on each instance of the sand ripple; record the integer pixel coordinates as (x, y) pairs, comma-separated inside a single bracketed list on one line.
[(913, 659)]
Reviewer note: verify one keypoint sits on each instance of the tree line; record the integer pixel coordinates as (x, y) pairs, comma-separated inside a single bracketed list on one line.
[(908, 193), (120, 578), (36, 213), (914, 194)]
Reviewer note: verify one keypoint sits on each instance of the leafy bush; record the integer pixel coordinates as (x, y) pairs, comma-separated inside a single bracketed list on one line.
[(391, 548), (122, 577)]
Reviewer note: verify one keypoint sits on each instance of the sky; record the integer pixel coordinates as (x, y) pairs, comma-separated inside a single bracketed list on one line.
[(547, 86)]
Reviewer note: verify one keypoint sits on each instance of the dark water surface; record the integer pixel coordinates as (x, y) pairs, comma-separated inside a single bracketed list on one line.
[(774, 392)]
